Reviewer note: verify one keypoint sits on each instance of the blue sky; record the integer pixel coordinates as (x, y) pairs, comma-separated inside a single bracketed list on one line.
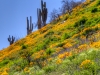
[(13, 15)]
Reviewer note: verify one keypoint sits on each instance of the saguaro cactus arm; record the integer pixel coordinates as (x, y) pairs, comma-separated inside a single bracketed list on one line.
[(44, 12), (29, 26), (11, 40), (39, 23), (42, 15)]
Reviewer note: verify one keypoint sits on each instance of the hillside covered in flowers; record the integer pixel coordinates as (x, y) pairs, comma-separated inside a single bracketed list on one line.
[(69, 46)]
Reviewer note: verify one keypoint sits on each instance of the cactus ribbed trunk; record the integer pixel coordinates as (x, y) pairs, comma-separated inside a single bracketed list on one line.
[(42, 15), (11, 39), (29, 26), (44, 12), (39, 18)]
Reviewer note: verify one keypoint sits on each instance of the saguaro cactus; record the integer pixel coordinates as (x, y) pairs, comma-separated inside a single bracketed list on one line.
[(39, 18), (11, 40), (29, 27), (43, 12), (42, 15)]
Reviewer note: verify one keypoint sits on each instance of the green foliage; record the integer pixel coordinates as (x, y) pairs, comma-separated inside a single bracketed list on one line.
[(21, 62), (42, 45), (92, 22), (85, 72), (94, 9), (41, 72), (98, 3), (49, 51), (49, 33), (60, 44), (54, 22), (24, 46), (65, 36), (4, 62), (65, 18), (54, 39), (90, 31), (69, 65), (49, 68), (81, 21)]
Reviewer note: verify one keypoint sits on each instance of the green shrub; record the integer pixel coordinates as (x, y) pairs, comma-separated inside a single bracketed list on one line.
[(24, 47), (40, 72), (94, 10), (54, 39), (88, 31), (41, 46), (49, 33), (81, 21), (65, 18), (49, 51), (65, 36), (92, 22), (21, 62), (4, 62), (49, 69), (98, 3), (60, 44), (85, 72)]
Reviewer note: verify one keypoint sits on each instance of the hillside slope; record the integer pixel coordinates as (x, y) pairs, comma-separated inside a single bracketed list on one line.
[(69, 46)]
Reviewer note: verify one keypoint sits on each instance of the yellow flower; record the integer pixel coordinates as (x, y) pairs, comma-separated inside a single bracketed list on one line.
[(65, 54), (6, 69), (68, 54), (26, 70), (61, 56), (50, 59), (67, 45), (86, 63), (4, 73), (58, 61), (31, 63), (95, 44)]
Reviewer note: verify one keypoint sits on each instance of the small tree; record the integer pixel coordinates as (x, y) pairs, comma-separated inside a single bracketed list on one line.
[(54, 15), (68, 5)]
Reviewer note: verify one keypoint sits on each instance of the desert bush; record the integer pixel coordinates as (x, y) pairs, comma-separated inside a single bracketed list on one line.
[(4, 62), (65, 17), (98, 3), (90, 31), (24, 46), (49, 51), (94, 9), (17, 65), (60, 44), (81, 21), (54, 39), (40, 47), (65, 36), (49, 68), (54, 16), (92, 22), (49, 33)]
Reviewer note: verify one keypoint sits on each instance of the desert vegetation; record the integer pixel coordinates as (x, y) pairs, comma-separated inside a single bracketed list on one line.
[(68, 48)]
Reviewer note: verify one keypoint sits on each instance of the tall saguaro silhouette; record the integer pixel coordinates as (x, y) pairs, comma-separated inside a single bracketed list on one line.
[(44, 12), (11, 39), (42, 15), (39, 18), (29, 26)]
